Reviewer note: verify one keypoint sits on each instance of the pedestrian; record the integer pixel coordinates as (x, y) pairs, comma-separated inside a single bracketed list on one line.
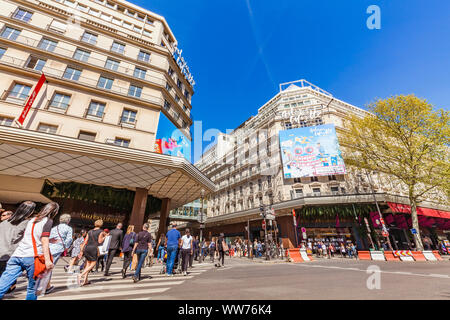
[(141, 247), (60, 240), (186, 251), (6, 215), (173, 237), (103, 251), (221, 248), (127, 249), (342, 250), (76, 250), (212, 249), (161, 245), (35, 243), (196, 244), (114, 246), (12, 231), (89, 249)]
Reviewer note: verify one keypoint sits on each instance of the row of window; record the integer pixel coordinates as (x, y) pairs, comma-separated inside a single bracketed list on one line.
[(302, 123), (82, 135), (83, 55)]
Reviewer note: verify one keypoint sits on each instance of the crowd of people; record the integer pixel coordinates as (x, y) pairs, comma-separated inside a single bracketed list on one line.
[(331, 249)]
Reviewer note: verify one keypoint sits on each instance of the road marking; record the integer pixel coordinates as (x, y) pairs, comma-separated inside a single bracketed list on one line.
[(105, 294)]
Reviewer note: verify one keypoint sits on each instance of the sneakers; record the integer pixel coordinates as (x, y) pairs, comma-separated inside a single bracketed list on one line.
[(135, 279), (50, 290)]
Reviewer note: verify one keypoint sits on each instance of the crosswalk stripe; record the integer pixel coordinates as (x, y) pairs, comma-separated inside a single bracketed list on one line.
[(106, 294)]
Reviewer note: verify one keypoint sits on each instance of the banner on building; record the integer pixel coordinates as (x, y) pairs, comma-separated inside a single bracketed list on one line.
[(31, 99), (170, 140), (311, 151)]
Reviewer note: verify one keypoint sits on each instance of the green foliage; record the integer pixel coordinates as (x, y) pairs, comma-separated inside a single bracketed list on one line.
[(121, 199), (326, 213)]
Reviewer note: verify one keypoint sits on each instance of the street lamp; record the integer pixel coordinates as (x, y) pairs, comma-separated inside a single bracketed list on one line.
[(201, 226)]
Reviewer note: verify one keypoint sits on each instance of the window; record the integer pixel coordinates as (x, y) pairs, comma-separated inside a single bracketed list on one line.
[(36, 63), (127, 25), (314, 179), (183, 124), (6, 121), (128, 116), (60, 101), (287, 125), (176, 115), (168, 87), (179, 84), (144, 56), (105, 83), (48, 45), (297, 180), (177, 98), (166, 105), (110, 4), (96, 109), (170, 71), (334, 190), (118, 47), (112, 64), (23, 15), (88, 136), (72, 74), (47, 128), (147, 33), (298, 192), (81, 55), (70, 3), (10, 33), (184, 108), (332, 177), (122, 142), (140, 17), (135, 91), (19, 91), (2, 52), (117, 21), (318, 121), (105, 17), (89, 37), (316, 190), (139, 73), (57, 26), (94, 12), (82, 8)]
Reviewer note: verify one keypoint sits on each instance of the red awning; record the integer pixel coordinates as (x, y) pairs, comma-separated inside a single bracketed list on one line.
[(404, 208)]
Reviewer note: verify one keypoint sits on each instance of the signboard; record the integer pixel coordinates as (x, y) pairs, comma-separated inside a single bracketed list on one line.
[(31, 99), (377, 255), (264, 224), (413, 231), (270, 217), (304, 255), (303, 230), (304, 235), (429, 255), (170, 140), (176, 53), (311, 151)]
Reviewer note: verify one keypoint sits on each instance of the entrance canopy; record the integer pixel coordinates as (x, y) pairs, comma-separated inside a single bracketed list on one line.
[(41, 156), (404, 208)]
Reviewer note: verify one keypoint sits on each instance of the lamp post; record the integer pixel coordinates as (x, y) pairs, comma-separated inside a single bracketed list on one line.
[(383, 226), (201, 227)]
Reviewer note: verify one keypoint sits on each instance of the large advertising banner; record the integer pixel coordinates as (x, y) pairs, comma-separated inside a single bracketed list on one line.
[(170, 140), (311, 151)]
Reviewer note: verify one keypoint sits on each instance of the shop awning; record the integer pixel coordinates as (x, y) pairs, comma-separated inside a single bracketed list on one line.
[(14, 197), (428, 212)]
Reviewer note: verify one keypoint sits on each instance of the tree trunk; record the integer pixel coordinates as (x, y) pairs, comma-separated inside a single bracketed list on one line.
[(415, 223)]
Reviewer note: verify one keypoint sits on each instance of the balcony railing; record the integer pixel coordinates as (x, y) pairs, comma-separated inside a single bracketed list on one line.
[(89, 82), (34, 43)]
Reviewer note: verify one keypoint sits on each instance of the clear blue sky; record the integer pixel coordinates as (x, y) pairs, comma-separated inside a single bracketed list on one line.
[(240, 50)]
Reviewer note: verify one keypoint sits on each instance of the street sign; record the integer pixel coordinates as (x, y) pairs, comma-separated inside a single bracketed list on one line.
[(304, 235), (413, 231), (270, 217), (385, 233), (264, 224), (270, 222), (303, 229)]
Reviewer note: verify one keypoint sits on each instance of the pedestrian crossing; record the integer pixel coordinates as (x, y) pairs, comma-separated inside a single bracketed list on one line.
[(111, 287)]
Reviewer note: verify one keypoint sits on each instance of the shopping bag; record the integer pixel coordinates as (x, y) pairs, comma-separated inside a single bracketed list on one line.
[(134, 263)]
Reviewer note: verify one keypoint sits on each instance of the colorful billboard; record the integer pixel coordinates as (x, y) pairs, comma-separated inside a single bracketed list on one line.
[(311, 151), (171, 141)]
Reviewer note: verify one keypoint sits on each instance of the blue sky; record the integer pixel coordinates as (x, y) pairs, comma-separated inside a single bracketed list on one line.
[(239, 51)]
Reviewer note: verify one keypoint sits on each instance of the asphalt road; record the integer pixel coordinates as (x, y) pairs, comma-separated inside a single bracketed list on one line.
[(242, 279), (322, 279)]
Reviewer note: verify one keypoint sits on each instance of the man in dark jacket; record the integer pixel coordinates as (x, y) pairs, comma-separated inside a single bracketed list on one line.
[(114, 245)]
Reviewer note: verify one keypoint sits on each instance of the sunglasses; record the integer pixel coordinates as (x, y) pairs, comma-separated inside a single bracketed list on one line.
[(5, 215)]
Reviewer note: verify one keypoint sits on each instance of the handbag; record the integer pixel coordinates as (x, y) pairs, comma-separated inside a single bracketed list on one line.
[(39, 260)]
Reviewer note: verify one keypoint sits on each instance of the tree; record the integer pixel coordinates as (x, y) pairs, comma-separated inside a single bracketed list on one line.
[(404, 137)]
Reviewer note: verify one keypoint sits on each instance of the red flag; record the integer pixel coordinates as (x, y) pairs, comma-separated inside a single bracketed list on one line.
[(31, 99)]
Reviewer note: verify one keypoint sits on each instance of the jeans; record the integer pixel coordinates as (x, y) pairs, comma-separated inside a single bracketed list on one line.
[(185, 258), (13, 271), (171, 255), (160, 253), (142, 254)]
